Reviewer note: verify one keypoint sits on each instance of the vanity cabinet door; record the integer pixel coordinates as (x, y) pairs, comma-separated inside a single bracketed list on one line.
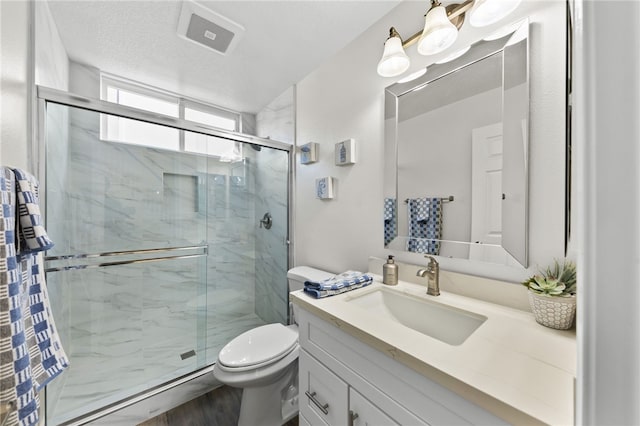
[(364, 413), (323, 396)]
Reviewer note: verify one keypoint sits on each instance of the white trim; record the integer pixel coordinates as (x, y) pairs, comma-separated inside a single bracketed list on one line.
[(168, 96), (107, 80), (83, 102), (182, 104), (210, 109), (606, 128)]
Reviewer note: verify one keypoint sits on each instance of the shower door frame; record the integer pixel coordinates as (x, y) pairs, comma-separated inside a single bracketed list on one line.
[(38, 161)]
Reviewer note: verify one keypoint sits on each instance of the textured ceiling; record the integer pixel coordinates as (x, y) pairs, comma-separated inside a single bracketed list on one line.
[(283, 42)]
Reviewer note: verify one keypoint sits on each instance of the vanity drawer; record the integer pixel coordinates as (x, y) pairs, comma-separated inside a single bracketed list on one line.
[(364, 413), (323, 396)]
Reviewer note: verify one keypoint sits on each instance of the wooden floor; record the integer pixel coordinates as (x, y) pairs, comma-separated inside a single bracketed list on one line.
[(219, 407)]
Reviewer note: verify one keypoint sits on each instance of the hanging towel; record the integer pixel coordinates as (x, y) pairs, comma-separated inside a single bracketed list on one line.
[(32, 236), (420, 208), (346, 281), (390, 222), (425, 225), (30, 349)]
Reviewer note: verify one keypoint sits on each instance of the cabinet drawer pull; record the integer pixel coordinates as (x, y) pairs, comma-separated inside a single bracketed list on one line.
[(312, 397), (352, 417)]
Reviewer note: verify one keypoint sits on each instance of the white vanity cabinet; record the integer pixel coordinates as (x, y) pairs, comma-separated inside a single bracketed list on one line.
[(362, 412), (325, 399), (343, 381)]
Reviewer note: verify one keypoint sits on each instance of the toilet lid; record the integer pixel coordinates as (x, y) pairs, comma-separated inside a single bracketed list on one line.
[(258, 346)]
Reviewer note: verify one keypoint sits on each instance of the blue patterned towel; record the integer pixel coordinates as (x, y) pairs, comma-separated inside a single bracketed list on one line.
[(389, 208), (32, 235), (425, 225), (420, 208), (30, 349), (390, 225), (346, 281)]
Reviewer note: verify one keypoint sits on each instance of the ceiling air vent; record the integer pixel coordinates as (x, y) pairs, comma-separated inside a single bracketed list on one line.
[(208, 28)]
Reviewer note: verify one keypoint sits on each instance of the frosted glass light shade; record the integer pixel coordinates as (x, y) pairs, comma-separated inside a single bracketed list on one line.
[(487, 12), (394, 60), (438, 34)]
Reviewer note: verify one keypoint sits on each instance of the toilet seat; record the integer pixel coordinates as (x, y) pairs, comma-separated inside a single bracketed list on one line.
[(258, 347)]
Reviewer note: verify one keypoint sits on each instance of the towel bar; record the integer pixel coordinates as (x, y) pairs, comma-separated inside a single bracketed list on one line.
[(443, 199)]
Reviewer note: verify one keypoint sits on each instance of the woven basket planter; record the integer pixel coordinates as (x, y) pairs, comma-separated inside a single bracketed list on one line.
[(551, 311)]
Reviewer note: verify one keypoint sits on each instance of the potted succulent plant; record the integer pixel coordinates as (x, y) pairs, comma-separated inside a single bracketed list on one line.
[(552, 295)]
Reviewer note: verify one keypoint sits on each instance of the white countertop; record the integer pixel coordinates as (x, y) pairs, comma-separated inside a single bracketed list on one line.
[(510, 360)]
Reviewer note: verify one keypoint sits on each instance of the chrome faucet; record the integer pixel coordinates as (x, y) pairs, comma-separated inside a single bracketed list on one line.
[(432, 272)]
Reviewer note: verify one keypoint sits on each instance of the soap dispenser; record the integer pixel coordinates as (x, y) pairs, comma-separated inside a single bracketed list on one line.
[(390, 272)]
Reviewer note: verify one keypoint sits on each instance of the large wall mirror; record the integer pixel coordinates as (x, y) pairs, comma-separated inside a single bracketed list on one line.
[(456, 166)]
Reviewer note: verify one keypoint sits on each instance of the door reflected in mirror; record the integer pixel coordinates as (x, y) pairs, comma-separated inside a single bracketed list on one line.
[(456, 155)]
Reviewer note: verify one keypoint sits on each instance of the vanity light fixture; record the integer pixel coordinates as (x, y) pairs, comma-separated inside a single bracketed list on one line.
[(394, 60), (438, 33), (440, 30)]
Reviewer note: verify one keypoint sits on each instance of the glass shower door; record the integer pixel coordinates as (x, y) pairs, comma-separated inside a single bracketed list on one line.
[(129, 266), (160, 255)]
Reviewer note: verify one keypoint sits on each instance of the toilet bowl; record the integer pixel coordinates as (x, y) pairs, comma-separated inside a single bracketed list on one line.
[(263, 362)]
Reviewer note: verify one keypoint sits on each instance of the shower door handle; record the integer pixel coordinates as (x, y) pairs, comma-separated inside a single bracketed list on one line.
[(83, 256), (266, 220)]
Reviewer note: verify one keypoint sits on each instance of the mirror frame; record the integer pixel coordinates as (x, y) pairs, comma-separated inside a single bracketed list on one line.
[(478, 51)]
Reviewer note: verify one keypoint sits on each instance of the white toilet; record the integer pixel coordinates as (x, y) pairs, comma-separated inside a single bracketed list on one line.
[(264, 363)]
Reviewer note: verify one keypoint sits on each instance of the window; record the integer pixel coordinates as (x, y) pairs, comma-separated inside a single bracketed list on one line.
[(124, 130)]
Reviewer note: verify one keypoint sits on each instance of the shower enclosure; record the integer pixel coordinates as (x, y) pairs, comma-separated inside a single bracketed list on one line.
[(160, 254)]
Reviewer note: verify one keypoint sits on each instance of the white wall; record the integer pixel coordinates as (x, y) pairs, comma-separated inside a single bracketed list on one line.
[(51, 60), (344, 99), (31, 52), (606, 143), (15, 83)]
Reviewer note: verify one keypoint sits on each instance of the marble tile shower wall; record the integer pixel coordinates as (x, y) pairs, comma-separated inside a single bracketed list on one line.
[(275, 121), (139, 318), (271, 300)]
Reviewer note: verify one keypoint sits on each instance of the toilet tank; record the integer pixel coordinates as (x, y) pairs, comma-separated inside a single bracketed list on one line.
[(298, 275)]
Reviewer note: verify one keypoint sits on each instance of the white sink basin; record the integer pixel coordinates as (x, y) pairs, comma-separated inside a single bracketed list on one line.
[(445, 323)]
